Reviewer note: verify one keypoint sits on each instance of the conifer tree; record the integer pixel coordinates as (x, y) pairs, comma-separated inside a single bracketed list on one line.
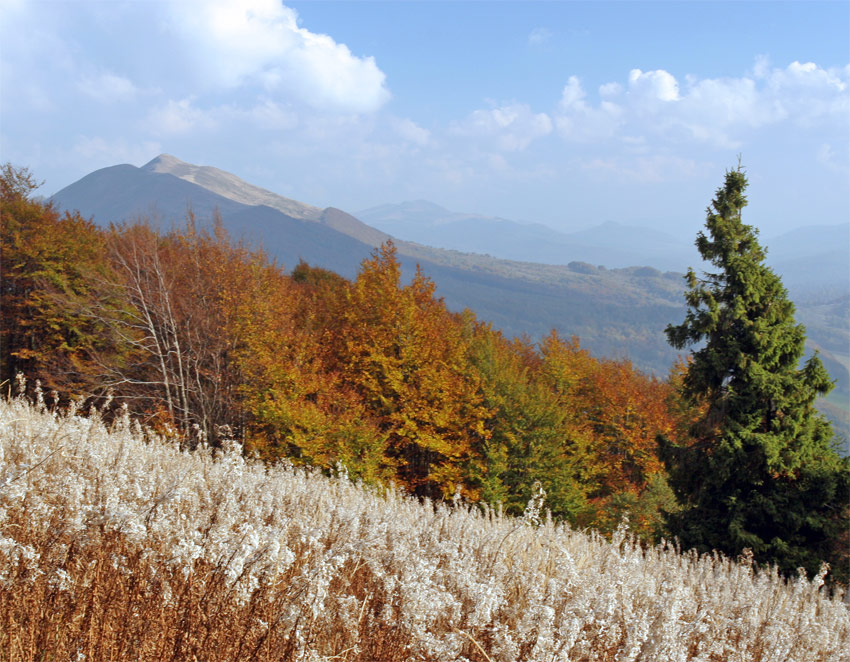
[(761, 473)]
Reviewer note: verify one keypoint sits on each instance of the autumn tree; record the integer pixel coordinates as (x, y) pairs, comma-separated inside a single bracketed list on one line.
[(404, 354), (615, 415), (761, 473), (50, 264), (175, 314), (297, 403)]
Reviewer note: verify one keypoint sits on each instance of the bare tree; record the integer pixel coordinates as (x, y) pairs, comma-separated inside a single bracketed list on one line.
[(173, 317)]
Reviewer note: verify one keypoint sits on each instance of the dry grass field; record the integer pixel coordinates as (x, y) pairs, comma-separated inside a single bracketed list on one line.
[(118, 545)]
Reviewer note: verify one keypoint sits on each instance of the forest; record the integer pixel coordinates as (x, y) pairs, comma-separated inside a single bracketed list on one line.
[(205, 339)]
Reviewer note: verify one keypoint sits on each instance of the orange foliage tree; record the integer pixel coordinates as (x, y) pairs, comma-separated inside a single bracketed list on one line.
[(404, 354), (175, 315), (298, 406), (619, 412)]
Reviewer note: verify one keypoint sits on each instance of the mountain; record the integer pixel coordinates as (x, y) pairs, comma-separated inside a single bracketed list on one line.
[(610, 244), (814, 262), (231, 187), (237, 190), (616, 312)]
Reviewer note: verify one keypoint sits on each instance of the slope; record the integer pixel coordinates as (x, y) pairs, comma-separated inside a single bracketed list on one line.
[(614, 312), (141, 551)]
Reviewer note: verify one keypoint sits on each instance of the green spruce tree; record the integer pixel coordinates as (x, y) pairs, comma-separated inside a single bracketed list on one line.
[(761, 473)]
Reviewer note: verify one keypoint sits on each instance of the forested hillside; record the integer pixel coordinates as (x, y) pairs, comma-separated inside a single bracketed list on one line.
[(617, 313), (204, 339)]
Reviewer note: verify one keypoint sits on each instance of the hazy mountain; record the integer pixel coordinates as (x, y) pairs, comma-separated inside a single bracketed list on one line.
[(814, 262), (616, 312), (611, 244)]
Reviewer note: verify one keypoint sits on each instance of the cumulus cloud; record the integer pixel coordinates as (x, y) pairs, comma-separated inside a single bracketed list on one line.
[(808, 93), (652, 86), (718, 111), (609, 90), (260, 41), (511, 127), (578, 120)]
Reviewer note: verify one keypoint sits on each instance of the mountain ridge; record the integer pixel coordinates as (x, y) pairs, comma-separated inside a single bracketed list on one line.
[(616, 312), (518, 297), (230, 186)]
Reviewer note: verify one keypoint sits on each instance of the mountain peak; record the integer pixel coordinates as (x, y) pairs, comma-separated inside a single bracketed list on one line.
[(163, 162), (230, 186)]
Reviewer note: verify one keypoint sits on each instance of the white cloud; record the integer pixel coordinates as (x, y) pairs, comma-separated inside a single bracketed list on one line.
[(179, 117), (652, 86), (108, 87), (578, 121), (717, 111), (807, 93), (259, 41), (610, 90), (512, 127), (410, 131), (573, 95)]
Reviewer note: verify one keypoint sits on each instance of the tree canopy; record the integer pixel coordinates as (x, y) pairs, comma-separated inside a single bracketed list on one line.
[(761, 472)]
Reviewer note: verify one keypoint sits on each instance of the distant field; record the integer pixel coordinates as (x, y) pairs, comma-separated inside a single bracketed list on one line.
[(116, 545)]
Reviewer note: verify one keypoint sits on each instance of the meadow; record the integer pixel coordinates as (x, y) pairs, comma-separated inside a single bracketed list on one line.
[(118, 544)]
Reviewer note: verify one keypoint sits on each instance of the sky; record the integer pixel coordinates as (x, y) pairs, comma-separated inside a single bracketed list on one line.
[(570, 114)]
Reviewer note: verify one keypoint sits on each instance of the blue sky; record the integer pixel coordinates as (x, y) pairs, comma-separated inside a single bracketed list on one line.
[(566, 113)]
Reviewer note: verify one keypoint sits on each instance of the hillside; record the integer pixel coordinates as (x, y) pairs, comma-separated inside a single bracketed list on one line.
[(129, 548), (618, 312)]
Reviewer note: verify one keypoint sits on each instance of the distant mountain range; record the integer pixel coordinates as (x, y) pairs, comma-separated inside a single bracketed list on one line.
[(813, 261), (614, 286), (610, 244)]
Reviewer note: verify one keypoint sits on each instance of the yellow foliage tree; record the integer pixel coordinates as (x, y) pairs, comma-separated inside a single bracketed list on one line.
[(402, 351)]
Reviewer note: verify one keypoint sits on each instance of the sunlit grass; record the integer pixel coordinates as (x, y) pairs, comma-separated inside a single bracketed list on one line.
[(117, 545)]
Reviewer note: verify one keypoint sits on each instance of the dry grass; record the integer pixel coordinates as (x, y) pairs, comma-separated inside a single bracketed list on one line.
[(115, 545)]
